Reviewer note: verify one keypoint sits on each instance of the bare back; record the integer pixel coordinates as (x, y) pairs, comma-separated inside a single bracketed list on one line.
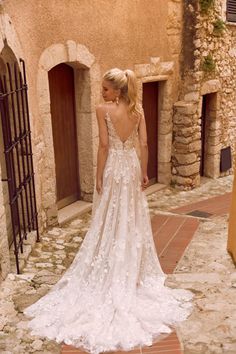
[(123, 122)]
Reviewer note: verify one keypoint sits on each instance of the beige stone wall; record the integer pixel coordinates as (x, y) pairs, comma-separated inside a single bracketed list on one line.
[(4, 249), (220, 85), (91, 36), (107, 34), (6, 31)]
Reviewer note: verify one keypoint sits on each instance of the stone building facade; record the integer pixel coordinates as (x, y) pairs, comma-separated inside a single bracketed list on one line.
[(77, 41), (205, 116)]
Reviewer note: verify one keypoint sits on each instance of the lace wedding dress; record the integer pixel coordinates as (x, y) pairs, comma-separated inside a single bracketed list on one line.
[(113, 296)]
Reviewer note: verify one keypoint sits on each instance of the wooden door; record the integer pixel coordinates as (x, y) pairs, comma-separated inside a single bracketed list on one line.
[(150, 106), (203, 134), (62, 96)]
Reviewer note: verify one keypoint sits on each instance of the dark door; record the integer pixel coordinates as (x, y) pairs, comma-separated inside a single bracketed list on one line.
[(62, 96), (150, 106), (203, 134)]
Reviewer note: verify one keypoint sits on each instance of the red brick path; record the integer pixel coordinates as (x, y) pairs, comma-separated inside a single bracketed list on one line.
[(216, 205), (172, 234)]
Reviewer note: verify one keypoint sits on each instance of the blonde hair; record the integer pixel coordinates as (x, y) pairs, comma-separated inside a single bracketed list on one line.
[(125, 80)]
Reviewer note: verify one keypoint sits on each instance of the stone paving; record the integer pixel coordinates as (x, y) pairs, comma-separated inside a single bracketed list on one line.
[(205, 268)]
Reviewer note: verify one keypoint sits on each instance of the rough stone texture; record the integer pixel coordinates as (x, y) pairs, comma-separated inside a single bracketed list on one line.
[(7, 30), (219, 86), (43, 44), (206, 269), (4, 248), (155, 57), (86, 96), (211, 276)]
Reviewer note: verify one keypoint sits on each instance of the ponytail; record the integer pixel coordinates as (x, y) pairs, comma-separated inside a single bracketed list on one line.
[(131, 91), (126, 82)]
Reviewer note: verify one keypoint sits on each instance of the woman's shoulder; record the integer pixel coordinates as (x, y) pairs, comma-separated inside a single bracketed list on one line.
[(103, 107)]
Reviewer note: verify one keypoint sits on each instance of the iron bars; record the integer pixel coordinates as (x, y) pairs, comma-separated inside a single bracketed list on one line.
[(18, 154)]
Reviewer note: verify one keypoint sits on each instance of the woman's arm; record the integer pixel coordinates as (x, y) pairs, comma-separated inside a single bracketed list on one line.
[(102, 148), (142, 131)]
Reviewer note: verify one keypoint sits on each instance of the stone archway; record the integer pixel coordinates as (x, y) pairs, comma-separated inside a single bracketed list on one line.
[(87, 92)]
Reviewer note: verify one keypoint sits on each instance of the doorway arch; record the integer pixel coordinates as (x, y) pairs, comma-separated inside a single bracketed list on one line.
[(87, 94), (62, 98)]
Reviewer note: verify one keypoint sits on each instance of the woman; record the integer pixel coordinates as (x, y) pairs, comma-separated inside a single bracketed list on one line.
[(113, 296)]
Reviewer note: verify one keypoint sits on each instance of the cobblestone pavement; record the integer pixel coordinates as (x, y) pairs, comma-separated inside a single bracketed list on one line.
[(205, 268)]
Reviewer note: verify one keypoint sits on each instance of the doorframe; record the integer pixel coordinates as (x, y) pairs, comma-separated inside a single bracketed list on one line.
[(212, 128), (82, 61), (70, 199), (212, 136), (161, 72)]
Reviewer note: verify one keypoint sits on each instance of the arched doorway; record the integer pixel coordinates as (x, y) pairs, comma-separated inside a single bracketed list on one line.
[(62, 101)]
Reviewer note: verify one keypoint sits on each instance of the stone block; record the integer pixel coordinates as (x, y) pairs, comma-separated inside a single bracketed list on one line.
[(95, 73), (164, 172), (192, 96), (213, 149), (210, 86), (185, 159), (166, 68), (72, 50), (183, 140), (180, 148), (165, 122), (84, 57), (186, 108), (142, 70), (181, 119), (154, 65), (187, 131), (198, 75), (195, 146), (183, 181), (213, 140), (52, 215), (43, 87), (188, 170), (212, 166), (215, 126), (164, 147), (196, 181)]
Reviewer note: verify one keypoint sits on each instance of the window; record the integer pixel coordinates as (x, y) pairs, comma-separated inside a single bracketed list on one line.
[(231, 11)]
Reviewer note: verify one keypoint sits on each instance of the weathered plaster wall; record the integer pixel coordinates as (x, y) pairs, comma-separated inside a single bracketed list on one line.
[(91, 36), (115, 33)]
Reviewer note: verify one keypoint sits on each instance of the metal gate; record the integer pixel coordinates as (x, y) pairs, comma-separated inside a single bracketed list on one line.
[(18, 154)]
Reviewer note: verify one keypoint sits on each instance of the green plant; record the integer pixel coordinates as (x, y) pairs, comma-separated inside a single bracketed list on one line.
[(205, 5), (208, 63), (219, 27)]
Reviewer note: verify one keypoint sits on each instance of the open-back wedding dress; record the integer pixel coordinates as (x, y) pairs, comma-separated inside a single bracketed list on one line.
[(113, 296)]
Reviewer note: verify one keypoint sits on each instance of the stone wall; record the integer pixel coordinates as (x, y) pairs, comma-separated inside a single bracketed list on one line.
[(91, 37), (6, 31), (4, 248), (90, 50), (217, 81)]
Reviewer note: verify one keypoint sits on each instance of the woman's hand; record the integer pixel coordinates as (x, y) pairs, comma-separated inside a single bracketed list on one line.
[(99, 185), (144, 182)]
